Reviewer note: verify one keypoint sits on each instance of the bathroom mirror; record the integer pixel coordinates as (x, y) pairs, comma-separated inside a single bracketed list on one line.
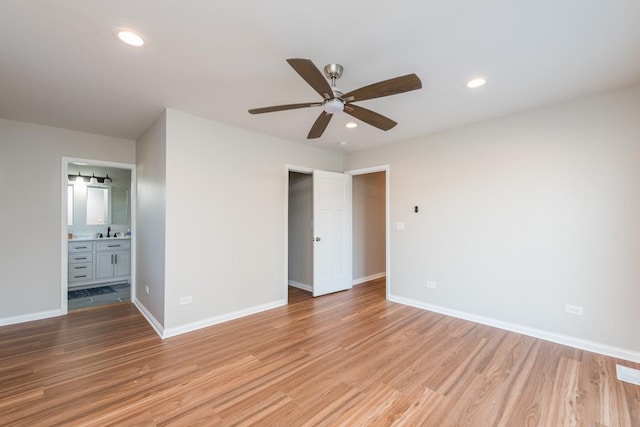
[(107, 206), (98, 206)]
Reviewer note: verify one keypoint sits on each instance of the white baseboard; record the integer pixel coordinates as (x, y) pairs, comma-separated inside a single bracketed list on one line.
[(302, 286), (30, 317), (579, 343), (368, 278), (189, 327), (150, 317)]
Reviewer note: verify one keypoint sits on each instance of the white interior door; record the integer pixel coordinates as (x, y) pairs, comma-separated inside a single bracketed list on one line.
[(331, 232)]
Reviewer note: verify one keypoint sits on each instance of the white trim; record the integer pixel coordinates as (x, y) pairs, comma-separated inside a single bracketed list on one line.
[(189, 327), (387, 170), (64, 245), (579, 343), (302, 286), (30, 317), (150, 317), (368, 278)]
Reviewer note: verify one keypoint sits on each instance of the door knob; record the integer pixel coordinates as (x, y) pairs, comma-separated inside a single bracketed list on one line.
[(317, 239)]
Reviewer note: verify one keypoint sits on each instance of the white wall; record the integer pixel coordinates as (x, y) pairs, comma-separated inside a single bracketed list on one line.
[(369, 226), (30, 211), (524, 214), (225, 216), (151, 149), (300, 228)]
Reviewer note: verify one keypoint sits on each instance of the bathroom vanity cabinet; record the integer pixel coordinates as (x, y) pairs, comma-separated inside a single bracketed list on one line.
[(99, 261)]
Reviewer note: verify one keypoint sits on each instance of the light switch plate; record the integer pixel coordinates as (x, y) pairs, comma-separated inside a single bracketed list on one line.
[(400, 226)]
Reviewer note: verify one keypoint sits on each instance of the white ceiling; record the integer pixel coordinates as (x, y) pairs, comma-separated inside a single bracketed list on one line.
[(60, 64)]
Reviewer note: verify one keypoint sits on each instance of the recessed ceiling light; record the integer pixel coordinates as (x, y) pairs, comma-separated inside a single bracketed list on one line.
[(351, 125), (342, 143), (476, 82), (129, 37)]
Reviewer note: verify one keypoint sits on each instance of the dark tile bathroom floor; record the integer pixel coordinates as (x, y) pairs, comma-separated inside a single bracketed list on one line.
[(122, 293)]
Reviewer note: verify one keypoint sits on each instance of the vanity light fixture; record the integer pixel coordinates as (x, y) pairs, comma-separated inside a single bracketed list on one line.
[(476, 82), (130, 37), (351, 125), (93, 179)]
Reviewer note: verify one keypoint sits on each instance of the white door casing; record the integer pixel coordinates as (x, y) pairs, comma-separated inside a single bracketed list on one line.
[(332, 265)]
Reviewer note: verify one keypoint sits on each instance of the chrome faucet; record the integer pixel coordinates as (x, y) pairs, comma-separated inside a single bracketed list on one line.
[(109, 231)]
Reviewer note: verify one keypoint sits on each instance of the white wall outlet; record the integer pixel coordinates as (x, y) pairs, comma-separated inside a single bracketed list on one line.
[(146, 289), (400, 226), (186, 300), (431, 285), (573, 309)]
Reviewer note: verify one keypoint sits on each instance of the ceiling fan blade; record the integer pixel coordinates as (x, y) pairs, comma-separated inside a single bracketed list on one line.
[(320, 125), (369, 117), (284, 107), (384, 88), (314, 77)]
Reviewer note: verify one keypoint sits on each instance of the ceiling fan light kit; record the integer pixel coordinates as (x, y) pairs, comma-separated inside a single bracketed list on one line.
[(333, 106), (335, 101)]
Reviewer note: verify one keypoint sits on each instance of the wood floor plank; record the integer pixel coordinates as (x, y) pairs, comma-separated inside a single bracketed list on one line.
[(350, 359)]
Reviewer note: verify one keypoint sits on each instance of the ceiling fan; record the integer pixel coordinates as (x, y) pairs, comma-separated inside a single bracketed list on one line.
[(335, 101)]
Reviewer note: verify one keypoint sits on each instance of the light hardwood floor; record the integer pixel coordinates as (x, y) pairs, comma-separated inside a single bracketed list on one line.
[(350, 358)]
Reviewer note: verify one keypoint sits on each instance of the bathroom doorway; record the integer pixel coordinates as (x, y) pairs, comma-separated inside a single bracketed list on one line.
[(98, 229)]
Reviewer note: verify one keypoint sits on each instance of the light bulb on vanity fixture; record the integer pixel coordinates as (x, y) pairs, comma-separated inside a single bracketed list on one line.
[(79, 179)]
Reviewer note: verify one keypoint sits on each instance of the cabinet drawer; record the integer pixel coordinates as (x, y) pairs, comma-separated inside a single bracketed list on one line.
[(80, 272), (113, 246), (80, 257), (80, 246)]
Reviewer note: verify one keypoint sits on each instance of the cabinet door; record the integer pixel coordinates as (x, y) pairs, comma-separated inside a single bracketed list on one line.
[(122, 266), (104, 264)]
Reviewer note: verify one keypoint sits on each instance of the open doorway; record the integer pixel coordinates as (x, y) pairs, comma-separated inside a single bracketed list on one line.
[(371, 210), (98, 222), (369, 219), (300, 234)]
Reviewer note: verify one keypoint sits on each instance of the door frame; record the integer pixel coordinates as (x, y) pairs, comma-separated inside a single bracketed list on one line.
[(387, 170), (307, 170), (64, 241), (289, 168)]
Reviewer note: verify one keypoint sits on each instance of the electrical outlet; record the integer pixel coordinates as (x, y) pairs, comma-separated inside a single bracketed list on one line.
[(431, 285), (146, 289), (186, 300), (573, 309)]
